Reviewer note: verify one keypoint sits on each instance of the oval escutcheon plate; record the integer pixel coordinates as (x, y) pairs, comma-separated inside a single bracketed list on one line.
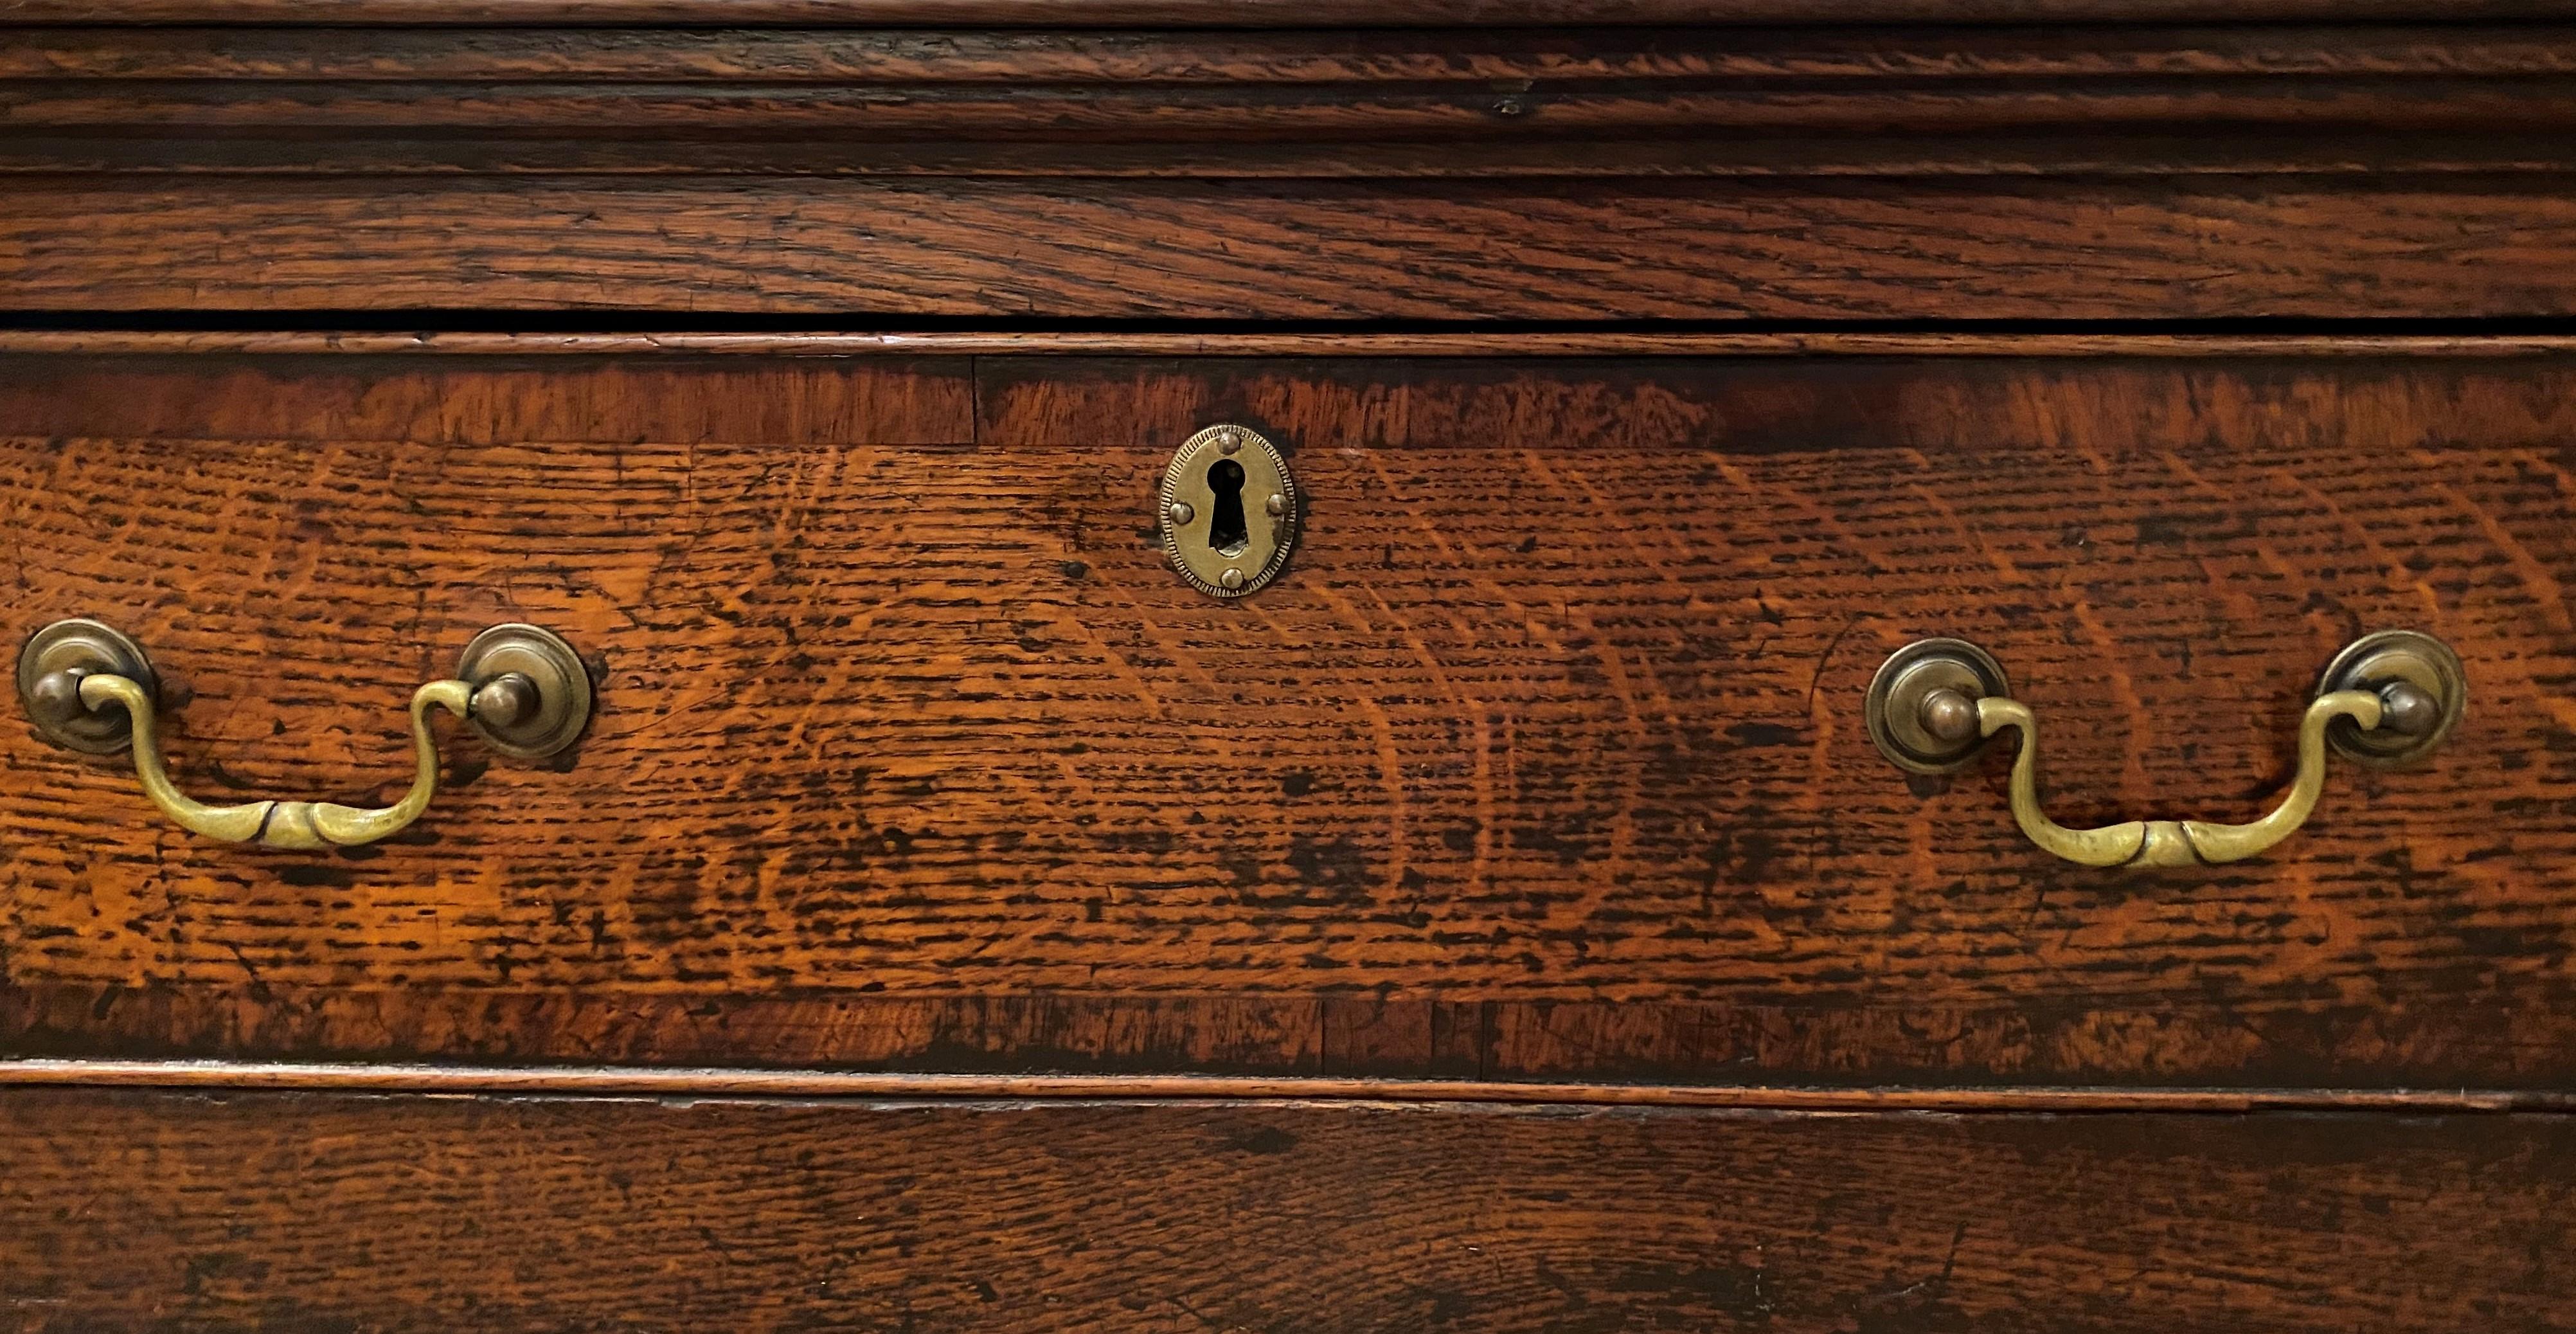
[(1227, 511)]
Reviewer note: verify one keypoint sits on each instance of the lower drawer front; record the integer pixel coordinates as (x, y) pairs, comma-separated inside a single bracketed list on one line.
[(1544, 759), (285, 1211)]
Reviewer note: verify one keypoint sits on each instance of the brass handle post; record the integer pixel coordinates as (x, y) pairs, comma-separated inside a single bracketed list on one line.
[(2398, 693), (89, 687)]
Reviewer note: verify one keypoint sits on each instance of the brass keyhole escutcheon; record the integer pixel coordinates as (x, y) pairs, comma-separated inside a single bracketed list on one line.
[(1227, 511)]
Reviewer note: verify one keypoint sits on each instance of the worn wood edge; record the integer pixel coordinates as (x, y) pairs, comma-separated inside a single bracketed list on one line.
[(1062, 62), (962, 254), (755, 1083), (148, 342), (1242, 13), (1741, 157)]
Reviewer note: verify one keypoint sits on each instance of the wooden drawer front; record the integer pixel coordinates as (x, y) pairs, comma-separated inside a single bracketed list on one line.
[(1543, 760), (317, 1211)]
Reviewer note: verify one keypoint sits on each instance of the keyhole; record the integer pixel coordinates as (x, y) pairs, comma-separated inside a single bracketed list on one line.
[(1226, 532)]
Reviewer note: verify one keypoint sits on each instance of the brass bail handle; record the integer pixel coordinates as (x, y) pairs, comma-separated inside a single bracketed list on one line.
[(89, 687), (2388, 698)]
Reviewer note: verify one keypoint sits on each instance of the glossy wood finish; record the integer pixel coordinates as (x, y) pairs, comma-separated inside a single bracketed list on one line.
[(1557, 97), (1543, 761), (1242, 13), (259, 1211), (1583, 344), (1500, 923), (736, 1081), (1297, 250), (1836, 1046), (1504, 174)]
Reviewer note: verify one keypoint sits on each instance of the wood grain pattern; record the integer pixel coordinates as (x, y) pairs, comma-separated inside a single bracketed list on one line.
[(1250, 13), (229, 104), (1524, 343), (196, 90), (740, 1082), (1061, 58), (1500, 923), (1543, 761), (297, 1212), (1476, 251), (1560, 174), (2152, 151), (1350, 103), (1838, 1045)]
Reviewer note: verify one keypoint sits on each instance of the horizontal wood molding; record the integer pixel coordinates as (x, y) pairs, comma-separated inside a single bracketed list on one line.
[(1349, 103), (287, 62), (1055, 343), (1248, 13), (646, 1081), (320, 1211), (1492, 174), (1484, 251), (1682, 1045), (1835, 171)]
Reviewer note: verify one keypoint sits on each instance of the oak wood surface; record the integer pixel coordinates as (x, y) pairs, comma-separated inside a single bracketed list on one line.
[(1250, 13), (1472, 250), (925, 811), (46, 158), (202, 88), (287, 61), (752, 1082), (1543, 760), (1836, 1045), (1525, 343), (279, 1212), (1347, 103)]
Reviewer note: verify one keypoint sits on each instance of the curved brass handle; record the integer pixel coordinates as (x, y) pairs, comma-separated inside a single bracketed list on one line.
[(91, 688), (2173, 842), (1936, 701), (280, 824)]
